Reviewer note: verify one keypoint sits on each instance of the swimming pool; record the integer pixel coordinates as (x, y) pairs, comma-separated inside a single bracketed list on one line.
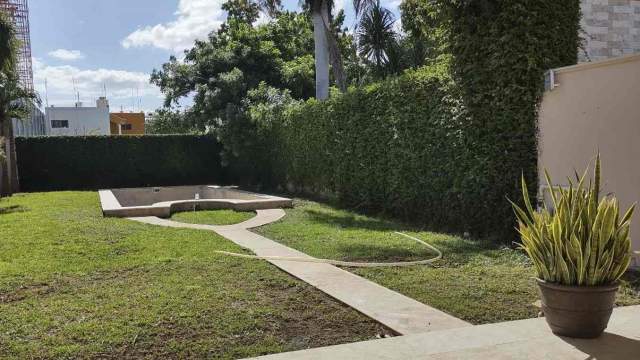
[(162, 201)]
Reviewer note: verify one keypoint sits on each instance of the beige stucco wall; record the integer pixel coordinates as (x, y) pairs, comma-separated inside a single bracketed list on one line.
[(596, 106)]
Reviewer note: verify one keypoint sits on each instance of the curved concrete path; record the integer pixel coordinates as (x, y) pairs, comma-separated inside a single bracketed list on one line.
[(399, 313)]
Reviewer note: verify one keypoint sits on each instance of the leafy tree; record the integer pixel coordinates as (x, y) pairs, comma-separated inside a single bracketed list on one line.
[(221, 72), (425, 41), (326, 40), (412, 53), (253, 137), (235, 59), (15, 103), (169, 121), (244, 10)]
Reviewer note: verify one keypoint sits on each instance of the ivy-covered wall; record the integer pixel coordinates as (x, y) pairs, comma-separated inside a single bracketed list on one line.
[(499, 51)]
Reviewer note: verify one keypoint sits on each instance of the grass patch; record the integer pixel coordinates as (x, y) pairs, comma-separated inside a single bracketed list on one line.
[(76, 285), (477, 282), (213, 217)]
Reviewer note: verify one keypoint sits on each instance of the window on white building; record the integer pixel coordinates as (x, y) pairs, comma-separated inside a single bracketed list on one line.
[(59, 124)]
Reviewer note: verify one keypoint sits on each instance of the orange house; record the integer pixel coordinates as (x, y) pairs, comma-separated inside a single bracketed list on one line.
[(126, 123)]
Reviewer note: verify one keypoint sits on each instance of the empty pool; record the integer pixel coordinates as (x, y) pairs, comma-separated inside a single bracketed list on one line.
[(162, 201)]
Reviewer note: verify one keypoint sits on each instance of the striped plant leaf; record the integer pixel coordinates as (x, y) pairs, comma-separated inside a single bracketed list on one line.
[(582, 240)]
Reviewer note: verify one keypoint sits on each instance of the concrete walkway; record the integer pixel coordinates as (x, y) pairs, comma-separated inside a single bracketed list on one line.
[(398, 312), (524, 339)]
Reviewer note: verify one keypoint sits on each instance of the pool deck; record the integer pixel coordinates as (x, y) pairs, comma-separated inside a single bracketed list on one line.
[(523, 339), (182, 198)]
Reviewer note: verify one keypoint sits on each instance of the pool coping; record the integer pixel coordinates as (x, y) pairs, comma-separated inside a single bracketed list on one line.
[(111, 207)]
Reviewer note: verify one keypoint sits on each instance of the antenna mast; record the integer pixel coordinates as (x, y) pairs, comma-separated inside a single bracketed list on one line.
[(46, 93)]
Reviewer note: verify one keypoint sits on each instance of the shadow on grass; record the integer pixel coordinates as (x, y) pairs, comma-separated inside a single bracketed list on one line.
[(632, 280), (12, 209), (352, 221), (457, 249), (372, 252)]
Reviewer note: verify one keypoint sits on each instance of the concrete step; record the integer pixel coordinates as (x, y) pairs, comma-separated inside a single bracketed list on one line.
[(523, 339)]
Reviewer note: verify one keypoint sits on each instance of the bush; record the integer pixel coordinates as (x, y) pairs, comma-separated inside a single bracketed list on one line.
[(251, 145), (94, 162)]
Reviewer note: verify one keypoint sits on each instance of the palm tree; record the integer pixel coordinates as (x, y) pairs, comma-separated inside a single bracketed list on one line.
[(376, 36), (15, 103), (326, 49)]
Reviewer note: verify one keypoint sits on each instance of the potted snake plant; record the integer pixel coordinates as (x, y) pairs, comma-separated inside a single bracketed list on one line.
[(580, 247)]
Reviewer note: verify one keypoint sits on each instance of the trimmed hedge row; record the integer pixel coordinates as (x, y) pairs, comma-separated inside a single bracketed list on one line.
[(404, 147), (94, 162)]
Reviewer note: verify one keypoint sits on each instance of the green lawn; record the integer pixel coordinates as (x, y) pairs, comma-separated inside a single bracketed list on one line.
[(476, 282), (213, 217), (76, 285)]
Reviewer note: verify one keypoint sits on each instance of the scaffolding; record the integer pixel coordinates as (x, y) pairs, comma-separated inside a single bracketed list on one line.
[(18, 11)]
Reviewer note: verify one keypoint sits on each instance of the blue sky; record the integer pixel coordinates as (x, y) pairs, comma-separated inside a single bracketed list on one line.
[(89, 44)]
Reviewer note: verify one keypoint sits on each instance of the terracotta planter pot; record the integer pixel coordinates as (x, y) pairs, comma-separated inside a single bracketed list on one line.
[(577, 311)]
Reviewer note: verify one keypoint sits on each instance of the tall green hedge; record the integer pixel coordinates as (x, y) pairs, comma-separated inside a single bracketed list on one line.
[(445, 145), (405, 147), (94, 162), (499, 51)]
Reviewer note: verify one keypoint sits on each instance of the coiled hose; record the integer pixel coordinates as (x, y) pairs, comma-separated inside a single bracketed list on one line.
[(347, 263)]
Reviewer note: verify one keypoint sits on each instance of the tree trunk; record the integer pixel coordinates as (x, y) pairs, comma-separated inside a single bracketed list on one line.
[(335, 56), (12, 158), (4, 171), (320, 15)]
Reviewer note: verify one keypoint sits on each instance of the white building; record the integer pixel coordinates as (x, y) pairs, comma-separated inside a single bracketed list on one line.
[(34, 125), (78, 120)]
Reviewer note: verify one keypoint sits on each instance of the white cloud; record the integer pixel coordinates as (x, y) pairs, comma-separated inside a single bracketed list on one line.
[(68, 55), (263, 18), (195, 20), (397, 26), (123, 87)]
